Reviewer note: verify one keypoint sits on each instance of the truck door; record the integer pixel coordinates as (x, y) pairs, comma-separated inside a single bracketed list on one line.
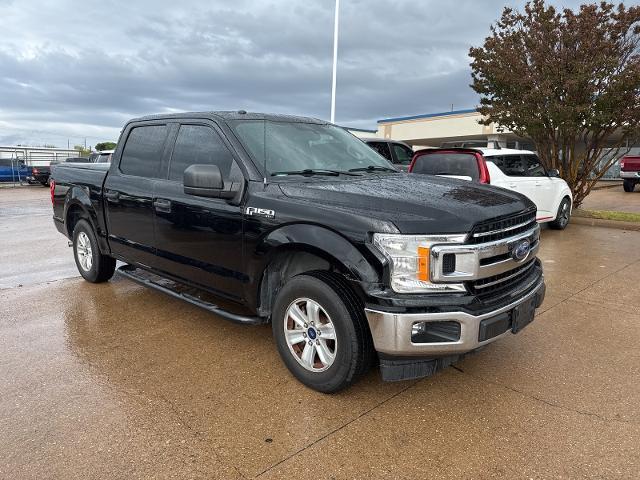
[(199, 239), (128, 193)]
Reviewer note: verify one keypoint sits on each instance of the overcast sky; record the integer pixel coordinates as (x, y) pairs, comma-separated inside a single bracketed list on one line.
[(74, 69)]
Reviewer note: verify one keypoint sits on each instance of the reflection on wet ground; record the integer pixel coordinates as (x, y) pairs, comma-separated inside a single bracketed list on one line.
[(117, 381)]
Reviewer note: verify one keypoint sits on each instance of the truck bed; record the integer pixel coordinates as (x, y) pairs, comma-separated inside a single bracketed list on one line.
[(89, 176)]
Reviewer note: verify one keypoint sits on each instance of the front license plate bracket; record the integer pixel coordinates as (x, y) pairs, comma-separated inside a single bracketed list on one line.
[(522, 315)]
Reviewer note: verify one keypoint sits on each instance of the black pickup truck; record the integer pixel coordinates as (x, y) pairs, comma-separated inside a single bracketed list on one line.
[(293, 221)]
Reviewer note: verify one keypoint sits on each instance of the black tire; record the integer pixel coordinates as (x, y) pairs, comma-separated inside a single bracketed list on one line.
[(354, 350), (629, 185), (563, 215), (101, 266)]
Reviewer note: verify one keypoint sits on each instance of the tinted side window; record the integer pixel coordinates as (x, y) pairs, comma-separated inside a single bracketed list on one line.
[(382, 148), (198, 144), (5, 162), (403, 154), (458, 164), (519, 165), (532, 166), (142, 155), (511, 165)]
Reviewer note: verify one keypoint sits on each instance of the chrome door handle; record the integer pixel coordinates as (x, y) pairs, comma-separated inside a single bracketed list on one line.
[(162, 205), (112, 197)]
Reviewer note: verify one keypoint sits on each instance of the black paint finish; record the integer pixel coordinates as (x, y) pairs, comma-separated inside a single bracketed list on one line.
[(214, 244)]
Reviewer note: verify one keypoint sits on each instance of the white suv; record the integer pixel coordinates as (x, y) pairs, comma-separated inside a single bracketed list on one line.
[(518, 170)]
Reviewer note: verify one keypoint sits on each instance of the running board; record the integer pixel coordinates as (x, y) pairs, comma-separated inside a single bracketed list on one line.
[(141, 277)]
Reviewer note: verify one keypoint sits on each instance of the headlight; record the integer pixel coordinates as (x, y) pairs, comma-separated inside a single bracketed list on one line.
[(410, 258)]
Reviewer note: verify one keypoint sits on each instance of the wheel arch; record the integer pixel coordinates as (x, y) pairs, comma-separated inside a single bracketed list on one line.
[(296, 249), (78, 206)]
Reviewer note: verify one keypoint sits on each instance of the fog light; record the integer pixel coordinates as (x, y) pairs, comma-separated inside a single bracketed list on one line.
[(435, 332)]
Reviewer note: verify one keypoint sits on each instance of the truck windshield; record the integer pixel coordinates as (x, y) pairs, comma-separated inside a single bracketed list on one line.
[(286, 148)]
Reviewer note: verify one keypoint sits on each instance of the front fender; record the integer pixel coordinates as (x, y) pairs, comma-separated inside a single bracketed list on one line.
[(354, 260), (320, 240)]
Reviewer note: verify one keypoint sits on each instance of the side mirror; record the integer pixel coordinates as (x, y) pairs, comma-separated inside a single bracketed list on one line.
[(554, 173), (206, 181)]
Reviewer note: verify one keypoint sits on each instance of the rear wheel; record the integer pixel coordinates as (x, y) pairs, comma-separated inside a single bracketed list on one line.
[(629, 185), (321, 332), (92, 265), (563, 215)]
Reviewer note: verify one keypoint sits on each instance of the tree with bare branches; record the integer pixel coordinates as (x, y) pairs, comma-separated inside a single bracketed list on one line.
[(570, 81)]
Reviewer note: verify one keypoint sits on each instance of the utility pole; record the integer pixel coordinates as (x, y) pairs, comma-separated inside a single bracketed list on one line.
[(85, 143), (335, 62)]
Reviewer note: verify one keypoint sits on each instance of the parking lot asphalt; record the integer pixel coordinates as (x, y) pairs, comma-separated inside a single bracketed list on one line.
[(118, 381), (614, 199)]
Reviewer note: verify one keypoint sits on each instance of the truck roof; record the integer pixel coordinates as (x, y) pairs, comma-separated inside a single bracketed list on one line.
[(233, 115)]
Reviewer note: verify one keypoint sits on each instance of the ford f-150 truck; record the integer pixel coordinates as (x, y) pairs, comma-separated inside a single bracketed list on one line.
[(294, 221)]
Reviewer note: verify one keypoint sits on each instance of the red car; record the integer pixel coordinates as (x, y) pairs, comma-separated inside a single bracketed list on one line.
[(630, 171)]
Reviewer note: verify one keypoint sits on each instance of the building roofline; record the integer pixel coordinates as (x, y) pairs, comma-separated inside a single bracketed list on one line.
[(428, 115)]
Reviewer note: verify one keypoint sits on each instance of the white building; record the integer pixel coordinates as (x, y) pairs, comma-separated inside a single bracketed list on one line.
[(455, 128)]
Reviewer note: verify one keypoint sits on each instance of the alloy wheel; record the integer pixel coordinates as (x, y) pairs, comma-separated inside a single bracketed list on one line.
[(310, 335), (84, 252)]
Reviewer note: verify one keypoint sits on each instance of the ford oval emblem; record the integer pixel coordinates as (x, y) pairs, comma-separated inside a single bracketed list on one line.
[(521, 250)]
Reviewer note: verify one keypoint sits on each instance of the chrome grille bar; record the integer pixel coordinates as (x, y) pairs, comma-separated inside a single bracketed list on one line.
[(502, 230)]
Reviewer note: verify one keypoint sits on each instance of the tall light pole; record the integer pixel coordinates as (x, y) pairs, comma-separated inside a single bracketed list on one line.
[(335, 63)]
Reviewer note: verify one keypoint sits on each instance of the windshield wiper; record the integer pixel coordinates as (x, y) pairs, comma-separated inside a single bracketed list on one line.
[(373, 168), (313, 171)]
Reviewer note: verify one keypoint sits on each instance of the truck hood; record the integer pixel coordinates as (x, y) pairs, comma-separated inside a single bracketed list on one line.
[(415, 204)]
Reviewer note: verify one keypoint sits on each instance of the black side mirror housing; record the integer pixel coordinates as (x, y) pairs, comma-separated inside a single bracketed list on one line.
[(206, 181), (554, 172)]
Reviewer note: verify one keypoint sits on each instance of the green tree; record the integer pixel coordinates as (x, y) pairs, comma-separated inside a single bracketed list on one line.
[(84, 152), (568, 80), (105, 146)]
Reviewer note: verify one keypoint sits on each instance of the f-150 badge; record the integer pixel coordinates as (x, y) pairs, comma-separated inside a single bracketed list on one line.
[(262, 212)]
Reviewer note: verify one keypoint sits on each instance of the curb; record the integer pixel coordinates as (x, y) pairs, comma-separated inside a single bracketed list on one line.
[(600, 222), (613, 184)]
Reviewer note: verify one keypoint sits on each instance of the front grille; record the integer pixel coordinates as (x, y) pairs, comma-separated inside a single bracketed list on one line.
[(503, 228), (497, 286)]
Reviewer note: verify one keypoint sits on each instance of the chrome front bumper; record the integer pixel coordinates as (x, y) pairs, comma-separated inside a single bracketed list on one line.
[(391, 332), (634, 175)]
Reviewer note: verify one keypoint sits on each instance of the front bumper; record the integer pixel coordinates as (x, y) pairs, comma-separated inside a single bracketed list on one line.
[(634, 175), (392, 332)]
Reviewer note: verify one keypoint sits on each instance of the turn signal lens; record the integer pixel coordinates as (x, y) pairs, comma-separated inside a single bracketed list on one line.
[(423, 264)]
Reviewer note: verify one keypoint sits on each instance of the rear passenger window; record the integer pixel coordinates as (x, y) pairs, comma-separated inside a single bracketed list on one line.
[(456, 164), (199, 145), (142, 155), (382, 148), (519, 165)]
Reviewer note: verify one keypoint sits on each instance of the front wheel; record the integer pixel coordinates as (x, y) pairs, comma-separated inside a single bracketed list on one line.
[(321, 332), (629, 185), (92, 265), (563, 215)]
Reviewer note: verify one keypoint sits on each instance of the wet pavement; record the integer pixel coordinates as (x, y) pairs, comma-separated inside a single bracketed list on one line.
[(613, 199), (118, 381)]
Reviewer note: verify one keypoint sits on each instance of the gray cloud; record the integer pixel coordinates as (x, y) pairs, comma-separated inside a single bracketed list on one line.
[(76, 69)]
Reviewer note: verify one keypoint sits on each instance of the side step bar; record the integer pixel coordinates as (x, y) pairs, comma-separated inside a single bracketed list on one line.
[(140, 276)]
